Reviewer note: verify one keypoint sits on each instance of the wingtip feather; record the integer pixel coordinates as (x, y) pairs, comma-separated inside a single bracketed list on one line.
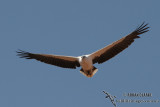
[(23, 54), (142, 28)]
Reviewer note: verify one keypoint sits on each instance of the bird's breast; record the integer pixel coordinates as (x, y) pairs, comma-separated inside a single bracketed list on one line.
[(86, 63)]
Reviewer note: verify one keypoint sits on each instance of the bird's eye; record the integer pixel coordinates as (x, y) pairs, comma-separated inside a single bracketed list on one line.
[(83, 57)]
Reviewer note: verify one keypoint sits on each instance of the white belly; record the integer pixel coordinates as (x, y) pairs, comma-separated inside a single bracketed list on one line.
[(86, 63)]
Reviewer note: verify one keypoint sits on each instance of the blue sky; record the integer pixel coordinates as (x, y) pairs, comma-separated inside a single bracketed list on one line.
[(72, 27)]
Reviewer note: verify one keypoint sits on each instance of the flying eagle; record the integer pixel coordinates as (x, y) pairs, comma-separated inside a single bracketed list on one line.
[(86, 61)]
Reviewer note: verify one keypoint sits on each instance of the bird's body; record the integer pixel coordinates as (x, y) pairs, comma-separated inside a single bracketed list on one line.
[(87, 61), (87, 66)]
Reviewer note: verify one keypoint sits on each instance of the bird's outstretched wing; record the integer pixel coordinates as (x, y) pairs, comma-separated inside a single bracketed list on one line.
[(116, 47), (57, 60)]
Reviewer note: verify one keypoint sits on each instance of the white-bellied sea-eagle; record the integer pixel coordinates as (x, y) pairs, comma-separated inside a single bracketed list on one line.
[(86, 61)]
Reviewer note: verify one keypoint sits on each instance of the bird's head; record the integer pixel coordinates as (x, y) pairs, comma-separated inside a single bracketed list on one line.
[(83, 57)]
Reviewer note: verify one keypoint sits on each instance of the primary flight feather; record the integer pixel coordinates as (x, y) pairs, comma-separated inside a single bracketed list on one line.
[(87, 61)]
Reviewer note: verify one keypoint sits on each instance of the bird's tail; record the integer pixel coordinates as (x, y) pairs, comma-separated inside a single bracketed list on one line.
[(94, 70), (89, 73)]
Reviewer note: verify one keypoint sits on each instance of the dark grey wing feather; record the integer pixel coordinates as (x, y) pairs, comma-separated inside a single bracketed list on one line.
[(115, 48), (61, 61)]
